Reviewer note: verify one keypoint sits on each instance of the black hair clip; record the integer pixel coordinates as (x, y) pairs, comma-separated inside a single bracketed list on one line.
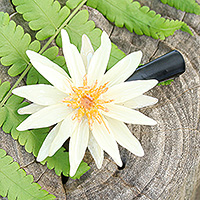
[(163, 68)]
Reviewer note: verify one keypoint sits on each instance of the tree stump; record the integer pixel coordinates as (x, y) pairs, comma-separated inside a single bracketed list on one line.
[(170, 169)]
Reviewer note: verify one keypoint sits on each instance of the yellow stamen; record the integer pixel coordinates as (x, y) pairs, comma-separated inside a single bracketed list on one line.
[(87, 100)]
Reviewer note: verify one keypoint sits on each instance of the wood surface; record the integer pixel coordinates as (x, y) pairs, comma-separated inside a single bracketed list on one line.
[(170, 169)]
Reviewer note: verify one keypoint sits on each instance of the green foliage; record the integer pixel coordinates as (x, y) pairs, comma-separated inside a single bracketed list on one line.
[(137, 18), (73, 3), (185, 5), (14, 44), (62, 167), (34, 76), (15, 184), (80, 25), (4, 88), (45, 16), (168, 82)]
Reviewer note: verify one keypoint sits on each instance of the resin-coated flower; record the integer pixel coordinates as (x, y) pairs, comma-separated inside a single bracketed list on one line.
[(91, 107)]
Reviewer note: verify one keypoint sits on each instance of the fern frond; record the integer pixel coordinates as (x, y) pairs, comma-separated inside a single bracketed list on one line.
[(34, 76), (14, 44), (185, 5), (134, 17), (15, 184), (80, 25), (45, 16)]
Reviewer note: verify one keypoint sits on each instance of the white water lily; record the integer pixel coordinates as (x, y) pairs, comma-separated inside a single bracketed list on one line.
[(91, 107)]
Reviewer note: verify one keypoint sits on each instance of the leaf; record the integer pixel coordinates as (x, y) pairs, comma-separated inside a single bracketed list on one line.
[(80, 25), (45, 16), (82, 169), (4, 88), (64, 167), (32, 139), (73, 3), (140, 19), (34, 76), (14, 44), (15, 184), (168, 82), (185, 5)]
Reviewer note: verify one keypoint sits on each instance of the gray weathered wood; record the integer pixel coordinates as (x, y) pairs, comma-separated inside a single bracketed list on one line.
[(170, 168)]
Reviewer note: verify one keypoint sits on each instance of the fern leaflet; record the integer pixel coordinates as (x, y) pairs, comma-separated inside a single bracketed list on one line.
[(15, 184), (168, 82), (137, 18), (73, 3), (45, 16), (58, 163), (185, 5), (14, 44)]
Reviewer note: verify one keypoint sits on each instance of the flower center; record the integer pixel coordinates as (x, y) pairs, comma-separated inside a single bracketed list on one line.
[(88, 102)]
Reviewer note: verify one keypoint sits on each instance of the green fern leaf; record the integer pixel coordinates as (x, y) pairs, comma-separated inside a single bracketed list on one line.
[(80, 25), (15, 184), (14, 44), (185, 5), (4, 88), (34, 77), (63, 167), (137, 18), (168, 82), (73, 3), (45, 16)]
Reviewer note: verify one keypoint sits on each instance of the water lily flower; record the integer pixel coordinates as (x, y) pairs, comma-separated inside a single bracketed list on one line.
[(91, 106)]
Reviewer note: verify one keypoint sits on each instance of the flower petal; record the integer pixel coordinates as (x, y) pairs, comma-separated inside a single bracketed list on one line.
[(87, 51), (128, 115), (36, 56), (129, 90), (123, 69), (106, 141), (96, 151), (44, 150), (77, 146), (40, 94), (140, 102), (30, 109), (66, 129), (99, 60), (73, 59), (124, 137), (52, 72), (45, 117)]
